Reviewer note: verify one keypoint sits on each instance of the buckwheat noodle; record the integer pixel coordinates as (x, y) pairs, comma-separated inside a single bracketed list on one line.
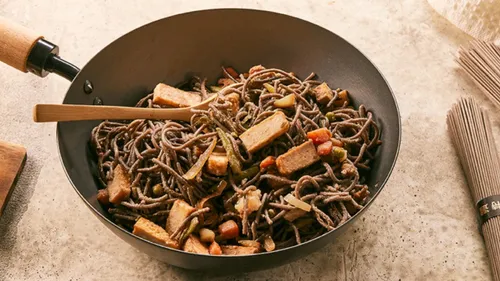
[(159, 152)]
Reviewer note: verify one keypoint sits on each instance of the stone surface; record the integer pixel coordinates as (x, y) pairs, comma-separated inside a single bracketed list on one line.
[(422, 227)]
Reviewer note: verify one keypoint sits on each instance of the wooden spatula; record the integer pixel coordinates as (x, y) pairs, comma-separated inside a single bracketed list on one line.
[(12, 159), (70, 112)]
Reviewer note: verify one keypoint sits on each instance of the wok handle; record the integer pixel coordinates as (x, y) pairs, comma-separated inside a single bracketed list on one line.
[(26, 51), (16, 43)]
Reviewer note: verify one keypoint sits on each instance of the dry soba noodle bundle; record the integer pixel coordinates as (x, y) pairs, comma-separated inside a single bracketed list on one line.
[(273, 162)]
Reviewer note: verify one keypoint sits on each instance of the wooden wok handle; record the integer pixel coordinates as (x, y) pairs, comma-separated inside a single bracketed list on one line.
[(69, 112), (16, 43)]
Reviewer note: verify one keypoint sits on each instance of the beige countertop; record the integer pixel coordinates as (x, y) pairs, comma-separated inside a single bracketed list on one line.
[(422, 226)]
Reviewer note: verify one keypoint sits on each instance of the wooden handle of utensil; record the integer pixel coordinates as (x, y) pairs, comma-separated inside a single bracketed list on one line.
[(69, 112), (16, 43)]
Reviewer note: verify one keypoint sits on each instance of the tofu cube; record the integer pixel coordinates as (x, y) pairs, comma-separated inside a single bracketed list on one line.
[(179, 212), (323, 93), (265, 132), (119, 187), (297, 158), (194, 245), (238, 250), (217, 164), (148, 230), (167, 95)]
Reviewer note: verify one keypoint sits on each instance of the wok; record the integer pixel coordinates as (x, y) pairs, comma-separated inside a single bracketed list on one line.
[(174, 48)]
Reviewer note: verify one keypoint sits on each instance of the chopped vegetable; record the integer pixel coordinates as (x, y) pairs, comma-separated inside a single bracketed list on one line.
[(294, 214), (337, 142), (194, 245), (303, 222), (232, 72), (265, 132), (256, 68), (249, 243), (324, 148), (323, 93), (166, 95), (319, 136), (103, 196), (339, 153), (222, 185), (247, 174), (269, 88), (297, 158), (191, 228), (234, 162), (215, 89), (217, 164), (215, 249), (297, 202), (229, 230), (238, 250), (342, 98), (360, 195), (119, 187), (253, 202), (234, 99), (347, 169), (267, 162), (198, 166), (286, 101), (224, 82), (207, 235), (269, 245), (179, 212), (148, 230), (330, 116), (158, 190)]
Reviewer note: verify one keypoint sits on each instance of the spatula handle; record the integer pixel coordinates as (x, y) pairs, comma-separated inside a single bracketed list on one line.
[(67, 112)]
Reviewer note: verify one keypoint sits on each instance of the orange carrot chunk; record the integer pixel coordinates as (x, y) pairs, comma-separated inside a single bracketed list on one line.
[(267, 162), (324, 148), (229, 230), (319, 136)]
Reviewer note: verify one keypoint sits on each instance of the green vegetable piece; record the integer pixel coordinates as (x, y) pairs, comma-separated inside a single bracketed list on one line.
[(247, 174), (192, 226), (330, 116), (234, 162), (196, 168), (215, 89), (158, 190)]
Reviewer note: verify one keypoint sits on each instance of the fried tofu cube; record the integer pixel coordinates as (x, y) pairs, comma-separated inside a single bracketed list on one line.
[(148, 230), (265, 132), (323, 93), (231, 250), (194, 245), (297, 158), (217, 164), (167, 95), (119, 187), (179, 212)]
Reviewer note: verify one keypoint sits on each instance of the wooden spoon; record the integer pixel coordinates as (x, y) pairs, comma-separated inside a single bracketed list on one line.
[(74, 112)]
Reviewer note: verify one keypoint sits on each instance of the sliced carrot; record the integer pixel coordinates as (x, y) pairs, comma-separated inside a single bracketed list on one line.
[(229, 230), (267, 162), (319, 136), (324, 148), (232, 72), (215, 249)]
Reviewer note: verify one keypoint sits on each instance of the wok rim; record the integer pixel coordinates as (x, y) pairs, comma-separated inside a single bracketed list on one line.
[(324, 235)]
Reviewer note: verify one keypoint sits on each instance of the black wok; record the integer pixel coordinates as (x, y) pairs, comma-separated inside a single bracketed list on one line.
[(171, 49)]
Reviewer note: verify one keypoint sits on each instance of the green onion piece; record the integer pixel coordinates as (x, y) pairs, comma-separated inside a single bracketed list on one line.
[(196, 168), (233, 160), (192, 226), (222, 185), (247, 174), (330, 116)]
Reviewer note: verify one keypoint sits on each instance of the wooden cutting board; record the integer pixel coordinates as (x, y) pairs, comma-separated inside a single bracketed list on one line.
[(12, 159)]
